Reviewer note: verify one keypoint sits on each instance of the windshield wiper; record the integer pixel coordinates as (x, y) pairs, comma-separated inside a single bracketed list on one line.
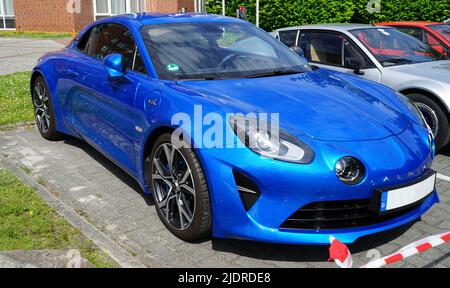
[(397, 60), (217, 76), (274, 73), (208, 77)]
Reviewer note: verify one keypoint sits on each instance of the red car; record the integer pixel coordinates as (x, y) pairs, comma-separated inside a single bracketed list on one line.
[(435, 34)]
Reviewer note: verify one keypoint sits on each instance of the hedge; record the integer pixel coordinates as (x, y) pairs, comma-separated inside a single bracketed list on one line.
[(275, 14)]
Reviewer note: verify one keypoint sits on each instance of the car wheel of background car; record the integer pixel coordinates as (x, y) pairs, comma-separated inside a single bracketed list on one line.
[(435, 117), (43, 110), (180, 192)]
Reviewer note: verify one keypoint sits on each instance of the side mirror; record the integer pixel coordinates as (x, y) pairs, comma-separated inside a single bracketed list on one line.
[(355, 64), (299, 51), (115, 65)]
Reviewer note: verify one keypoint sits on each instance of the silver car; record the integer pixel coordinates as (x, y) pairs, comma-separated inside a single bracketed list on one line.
[(384, 55)]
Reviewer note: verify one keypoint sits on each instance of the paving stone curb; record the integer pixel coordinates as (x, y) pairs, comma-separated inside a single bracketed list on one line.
[(115, 251)]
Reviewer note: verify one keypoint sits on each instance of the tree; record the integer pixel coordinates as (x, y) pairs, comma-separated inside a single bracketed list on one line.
[(276, 14)]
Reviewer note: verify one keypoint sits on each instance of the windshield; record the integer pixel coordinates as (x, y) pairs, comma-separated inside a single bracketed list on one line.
[(443, 30), (210, 51), (392, 47)]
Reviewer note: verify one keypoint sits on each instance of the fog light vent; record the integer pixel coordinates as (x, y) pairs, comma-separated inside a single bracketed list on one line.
[(248, 190), (350, 170)]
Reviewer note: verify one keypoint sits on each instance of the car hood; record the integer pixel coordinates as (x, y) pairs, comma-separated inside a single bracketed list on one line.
[(435, 70), (321, 104)]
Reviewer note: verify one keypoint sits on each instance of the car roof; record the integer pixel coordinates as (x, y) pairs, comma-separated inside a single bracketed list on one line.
[(409, 23), (160, 18), (333, 27)]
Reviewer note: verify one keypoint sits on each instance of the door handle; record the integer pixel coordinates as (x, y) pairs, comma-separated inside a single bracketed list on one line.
[(73, 74)]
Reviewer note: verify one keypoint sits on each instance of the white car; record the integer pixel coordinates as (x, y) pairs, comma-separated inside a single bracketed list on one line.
[(384, 55)]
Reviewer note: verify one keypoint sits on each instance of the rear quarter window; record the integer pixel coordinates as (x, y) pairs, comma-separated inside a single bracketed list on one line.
[(83, 41), (289, 38)]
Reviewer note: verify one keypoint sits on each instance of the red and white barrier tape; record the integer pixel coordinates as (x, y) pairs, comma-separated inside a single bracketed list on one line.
[(341, 255)]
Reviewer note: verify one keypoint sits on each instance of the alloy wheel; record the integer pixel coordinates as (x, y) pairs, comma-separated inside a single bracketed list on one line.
[(41, 107), (430, 117), (174, 187)]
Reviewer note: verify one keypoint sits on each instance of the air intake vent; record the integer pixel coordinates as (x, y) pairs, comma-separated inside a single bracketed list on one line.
[(338, 215), (248, 190)]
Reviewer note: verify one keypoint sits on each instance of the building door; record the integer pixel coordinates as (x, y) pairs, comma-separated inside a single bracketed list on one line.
[(106, 8), (7, 20)]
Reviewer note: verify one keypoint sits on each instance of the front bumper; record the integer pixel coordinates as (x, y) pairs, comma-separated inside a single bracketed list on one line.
[(286, 187)]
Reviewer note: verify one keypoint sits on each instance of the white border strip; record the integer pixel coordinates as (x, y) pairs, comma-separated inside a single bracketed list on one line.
[(443, 177)]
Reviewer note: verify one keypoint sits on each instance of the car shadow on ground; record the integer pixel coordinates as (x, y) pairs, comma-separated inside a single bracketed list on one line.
[(251, 249), (302, 253), (446, 151), (111, 166)]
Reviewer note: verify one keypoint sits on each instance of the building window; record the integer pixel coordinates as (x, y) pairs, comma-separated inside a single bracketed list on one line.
[(105, 8), (199, 6), (7, 20)]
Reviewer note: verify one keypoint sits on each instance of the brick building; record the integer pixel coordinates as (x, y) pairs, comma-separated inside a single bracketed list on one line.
[(70, 15)]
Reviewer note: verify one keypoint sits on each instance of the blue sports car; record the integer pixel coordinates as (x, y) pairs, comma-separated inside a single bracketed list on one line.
[(234, 134)]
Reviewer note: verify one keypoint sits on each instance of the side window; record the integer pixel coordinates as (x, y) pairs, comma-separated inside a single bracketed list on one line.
[(433, 42), (289, 38), (84, 41), (323, 47), (112, 38), (138, 64), (414, 32)]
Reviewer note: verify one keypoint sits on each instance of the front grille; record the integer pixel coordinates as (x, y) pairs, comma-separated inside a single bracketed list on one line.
[(338, 215)]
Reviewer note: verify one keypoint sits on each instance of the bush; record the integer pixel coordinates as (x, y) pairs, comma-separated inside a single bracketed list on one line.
[(275, 14), (281, 13)]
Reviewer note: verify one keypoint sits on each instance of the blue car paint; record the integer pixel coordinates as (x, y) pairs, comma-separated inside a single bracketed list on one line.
[(335, 114)]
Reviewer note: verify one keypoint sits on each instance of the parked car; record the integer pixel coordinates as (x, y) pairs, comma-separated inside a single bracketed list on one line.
[(384, 55), (435, 34), (350, 152)]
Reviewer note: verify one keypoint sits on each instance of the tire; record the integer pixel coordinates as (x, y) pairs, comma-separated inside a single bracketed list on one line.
[(427, 106), (43, 110), (199, 212)]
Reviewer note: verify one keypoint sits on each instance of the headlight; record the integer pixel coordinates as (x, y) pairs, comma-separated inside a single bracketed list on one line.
[(414, 110), (270, 141)]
